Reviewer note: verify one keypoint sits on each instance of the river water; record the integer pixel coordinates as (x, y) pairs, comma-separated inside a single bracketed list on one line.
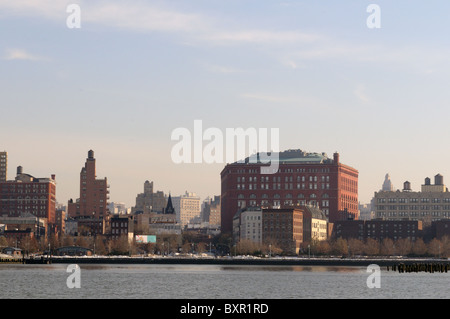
[(104, 281)]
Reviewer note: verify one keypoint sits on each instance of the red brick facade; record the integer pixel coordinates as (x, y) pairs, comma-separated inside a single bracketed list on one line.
[(28, 195), (302, 178)]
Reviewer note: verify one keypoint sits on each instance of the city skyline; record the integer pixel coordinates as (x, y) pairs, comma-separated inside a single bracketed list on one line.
[(136, 71)]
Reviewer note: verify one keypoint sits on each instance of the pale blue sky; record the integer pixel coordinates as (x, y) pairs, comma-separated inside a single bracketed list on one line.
[(136, 70)]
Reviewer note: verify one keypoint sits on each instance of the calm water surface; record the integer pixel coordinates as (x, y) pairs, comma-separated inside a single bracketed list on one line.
[(215, 282)]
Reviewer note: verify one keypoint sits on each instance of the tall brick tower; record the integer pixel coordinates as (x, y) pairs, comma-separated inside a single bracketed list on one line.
[(91, 209)]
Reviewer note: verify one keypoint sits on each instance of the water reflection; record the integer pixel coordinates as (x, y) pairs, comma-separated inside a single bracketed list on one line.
[(189, 268), (344, 269)]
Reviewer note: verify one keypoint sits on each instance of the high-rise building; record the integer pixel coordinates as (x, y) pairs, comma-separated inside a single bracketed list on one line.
[(387, 184), (29, 195), (92, 206), (211, 211), (302, 179), (187, 208), (150, 201), (3, 166)]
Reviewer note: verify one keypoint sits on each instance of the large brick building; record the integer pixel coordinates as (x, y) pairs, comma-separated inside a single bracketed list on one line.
[(302, 178), (91, 209), (27, 195)]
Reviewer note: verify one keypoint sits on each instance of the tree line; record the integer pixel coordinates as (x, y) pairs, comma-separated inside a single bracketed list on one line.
[(223, 245)]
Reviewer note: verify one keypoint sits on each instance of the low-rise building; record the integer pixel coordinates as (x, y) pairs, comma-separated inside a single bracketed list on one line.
[(122, 225), (25, 225), (315, 224), (247, 225), (378, 229), (283, 227)]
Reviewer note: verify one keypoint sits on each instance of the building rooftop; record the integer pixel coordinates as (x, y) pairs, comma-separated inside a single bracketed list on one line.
[(316, 212), (295, 156)]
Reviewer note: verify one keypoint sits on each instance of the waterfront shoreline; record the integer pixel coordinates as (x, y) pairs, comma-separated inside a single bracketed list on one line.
[(359, 262)]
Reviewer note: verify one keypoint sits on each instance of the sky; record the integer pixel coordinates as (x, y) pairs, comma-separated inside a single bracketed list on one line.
[(137, 70)]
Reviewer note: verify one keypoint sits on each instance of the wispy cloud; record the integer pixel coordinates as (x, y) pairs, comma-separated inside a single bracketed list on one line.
[(146, 17), (20, 54), (141, 16), (267, 98), (260, 36), (133, 15), (222, 69), (293, 48), (309, 102)]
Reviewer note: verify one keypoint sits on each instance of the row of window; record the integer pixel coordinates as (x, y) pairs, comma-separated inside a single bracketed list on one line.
[(27, 191), (277, 196), (27, 198), (27, 209), (13, 186), (413, 214), (413, 207), (119, 231), (285, 170), (262, 179), (413, 200), (288, 202), (287, 186)]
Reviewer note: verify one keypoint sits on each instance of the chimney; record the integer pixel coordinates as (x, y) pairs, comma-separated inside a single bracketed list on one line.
[(53, 176), (336, 158)]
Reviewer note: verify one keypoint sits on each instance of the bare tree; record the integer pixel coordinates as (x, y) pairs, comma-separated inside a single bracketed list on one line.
[(419, 248), (445, 249), (323, 247), (356, 246), (403, 246), (371, 247), (201, 247), (340, 247), (387, 247), (434, 247)]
